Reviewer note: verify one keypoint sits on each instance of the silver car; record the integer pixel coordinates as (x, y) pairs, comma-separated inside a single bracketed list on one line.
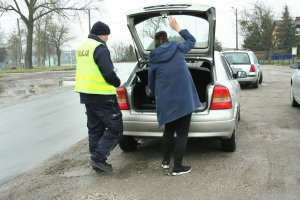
[(295, 84), (245, 60), (217, 85)]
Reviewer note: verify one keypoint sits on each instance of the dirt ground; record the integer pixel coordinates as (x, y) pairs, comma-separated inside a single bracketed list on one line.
[(16, 87), (265, 165)]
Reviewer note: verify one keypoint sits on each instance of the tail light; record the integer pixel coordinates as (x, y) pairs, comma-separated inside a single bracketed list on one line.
[(122, 98), (221, 98), (252, 68)]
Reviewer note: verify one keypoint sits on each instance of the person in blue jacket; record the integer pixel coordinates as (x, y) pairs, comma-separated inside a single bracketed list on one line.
[(175, 93)]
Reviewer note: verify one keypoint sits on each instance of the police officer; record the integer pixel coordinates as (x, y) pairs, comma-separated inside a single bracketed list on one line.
[(96, 83)]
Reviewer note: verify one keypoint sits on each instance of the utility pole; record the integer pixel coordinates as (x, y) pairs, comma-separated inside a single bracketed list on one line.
[(89, 13), (236, 31), (20, 43)]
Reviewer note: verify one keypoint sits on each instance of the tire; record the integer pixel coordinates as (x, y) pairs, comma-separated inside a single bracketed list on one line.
[(239, 113), (292, 98), (260, 78), (128, 144), (255, 85), (229, 145)]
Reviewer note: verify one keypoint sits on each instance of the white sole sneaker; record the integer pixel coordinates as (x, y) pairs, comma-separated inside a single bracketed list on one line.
[(165, 166), (183, 171)]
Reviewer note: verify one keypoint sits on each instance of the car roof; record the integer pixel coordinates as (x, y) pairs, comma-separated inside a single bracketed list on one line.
[(237, 51)]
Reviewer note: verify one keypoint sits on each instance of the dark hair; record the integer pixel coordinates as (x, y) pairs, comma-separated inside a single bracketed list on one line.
[(160, 37)]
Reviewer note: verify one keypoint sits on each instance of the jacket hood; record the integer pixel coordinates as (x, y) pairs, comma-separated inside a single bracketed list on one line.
[(163, 53)]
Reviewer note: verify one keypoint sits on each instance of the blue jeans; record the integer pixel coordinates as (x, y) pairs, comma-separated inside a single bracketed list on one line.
[(105, 128)]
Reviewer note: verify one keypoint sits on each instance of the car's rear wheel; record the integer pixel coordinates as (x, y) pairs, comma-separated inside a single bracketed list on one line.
[(292, 98), (229, 145), (239, 113), (260, 78), (128, 144), (255, 85)]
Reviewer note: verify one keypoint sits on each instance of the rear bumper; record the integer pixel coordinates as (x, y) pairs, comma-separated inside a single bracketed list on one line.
[(201, 125), (248, 79)]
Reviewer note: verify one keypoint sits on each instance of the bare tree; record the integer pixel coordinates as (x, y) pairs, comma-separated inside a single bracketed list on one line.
[(37, 9), (153, 25), (2, 43), (119, 51), (13, 45), (41, 39), (59, 35), (257, 27), (2, 47)]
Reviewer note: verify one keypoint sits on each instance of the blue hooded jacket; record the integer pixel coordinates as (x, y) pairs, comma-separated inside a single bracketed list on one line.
[(169, 78)]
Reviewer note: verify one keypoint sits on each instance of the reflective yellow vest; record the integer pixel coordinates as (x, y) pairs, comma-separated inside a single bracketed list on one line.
[(89, 79)]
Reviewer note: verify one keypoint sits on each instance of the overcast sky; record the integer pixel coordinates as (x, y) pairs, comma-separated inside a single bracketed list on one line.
[(114, 14)]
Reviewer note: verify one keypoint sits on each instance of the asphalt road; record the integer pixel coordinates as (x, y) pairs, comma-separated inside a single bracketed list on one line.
[(265, 165), (31, 132)]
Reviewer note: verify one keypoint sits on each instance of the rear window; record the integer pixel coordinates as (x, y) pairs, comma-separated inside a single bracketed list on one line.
[(197, 26), (237, 58)]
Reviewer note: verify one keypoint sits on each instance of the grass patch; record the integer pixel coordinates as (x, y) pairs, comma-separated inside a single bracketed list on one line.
[(37, 69), (280, 62)]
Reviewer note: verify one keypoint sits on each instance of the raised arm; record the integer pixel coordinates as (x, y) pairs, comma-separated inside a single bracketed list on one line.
[(189, 40)]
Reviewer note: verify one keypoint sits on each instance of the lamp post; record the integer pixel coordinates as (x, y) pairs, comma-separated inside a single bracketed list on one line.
[(89, 13), (20, 43), (236, 28), (89, 16)]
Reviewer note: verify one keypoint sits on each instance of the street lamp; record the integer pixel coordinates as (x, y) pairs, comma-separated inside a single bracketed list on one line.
[(20, 43), (236, 28), (89, 13), (89, 16)]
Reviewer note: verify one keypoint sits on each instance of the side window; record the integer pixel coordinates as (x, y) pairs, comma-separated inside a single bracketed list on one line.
[(227, 68), (254, 57)]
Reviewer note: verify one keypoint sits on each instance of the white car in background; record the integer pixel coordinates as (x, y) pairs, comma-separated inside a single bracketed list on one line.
[(295, 84), (245, 60)]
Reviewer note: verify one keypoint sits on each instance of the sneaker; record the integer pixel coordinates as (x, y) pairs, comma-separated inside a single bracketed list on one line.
[(97, 169), (181, 170), (165, 164), (102, 165)]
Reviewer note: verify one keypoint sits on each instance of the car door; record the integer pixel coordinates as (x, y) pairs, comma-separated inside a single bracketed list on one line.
[(235, 86), (296, 85)]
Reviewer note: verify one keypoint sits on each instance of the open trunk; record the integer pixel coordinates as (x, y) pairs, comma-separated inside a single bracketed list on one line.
[(140, 102)]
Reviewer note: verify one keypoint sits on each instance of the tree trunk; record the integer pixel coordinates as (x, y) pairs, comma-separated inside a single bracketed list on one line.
[(58, 53), (28, 56)]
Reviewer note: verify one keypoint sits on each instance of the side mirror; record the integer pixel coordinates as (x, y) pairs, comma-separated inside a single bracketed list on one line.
[(261, 62), (295, 65), (241, 74)]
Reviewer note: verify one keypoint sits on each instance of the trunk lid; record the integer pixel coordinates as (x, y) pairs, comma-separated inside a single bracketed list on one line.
[(199, 20)]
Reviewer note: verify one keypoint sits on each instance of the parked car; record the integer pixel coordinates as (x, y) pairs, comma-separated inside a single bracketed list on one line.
[(295, 84), (245, 60), (216, 83)]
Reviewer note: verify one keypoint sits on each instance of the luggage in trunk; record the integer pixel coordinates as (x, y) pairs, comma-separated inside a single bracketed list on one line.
[(201, 76)]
